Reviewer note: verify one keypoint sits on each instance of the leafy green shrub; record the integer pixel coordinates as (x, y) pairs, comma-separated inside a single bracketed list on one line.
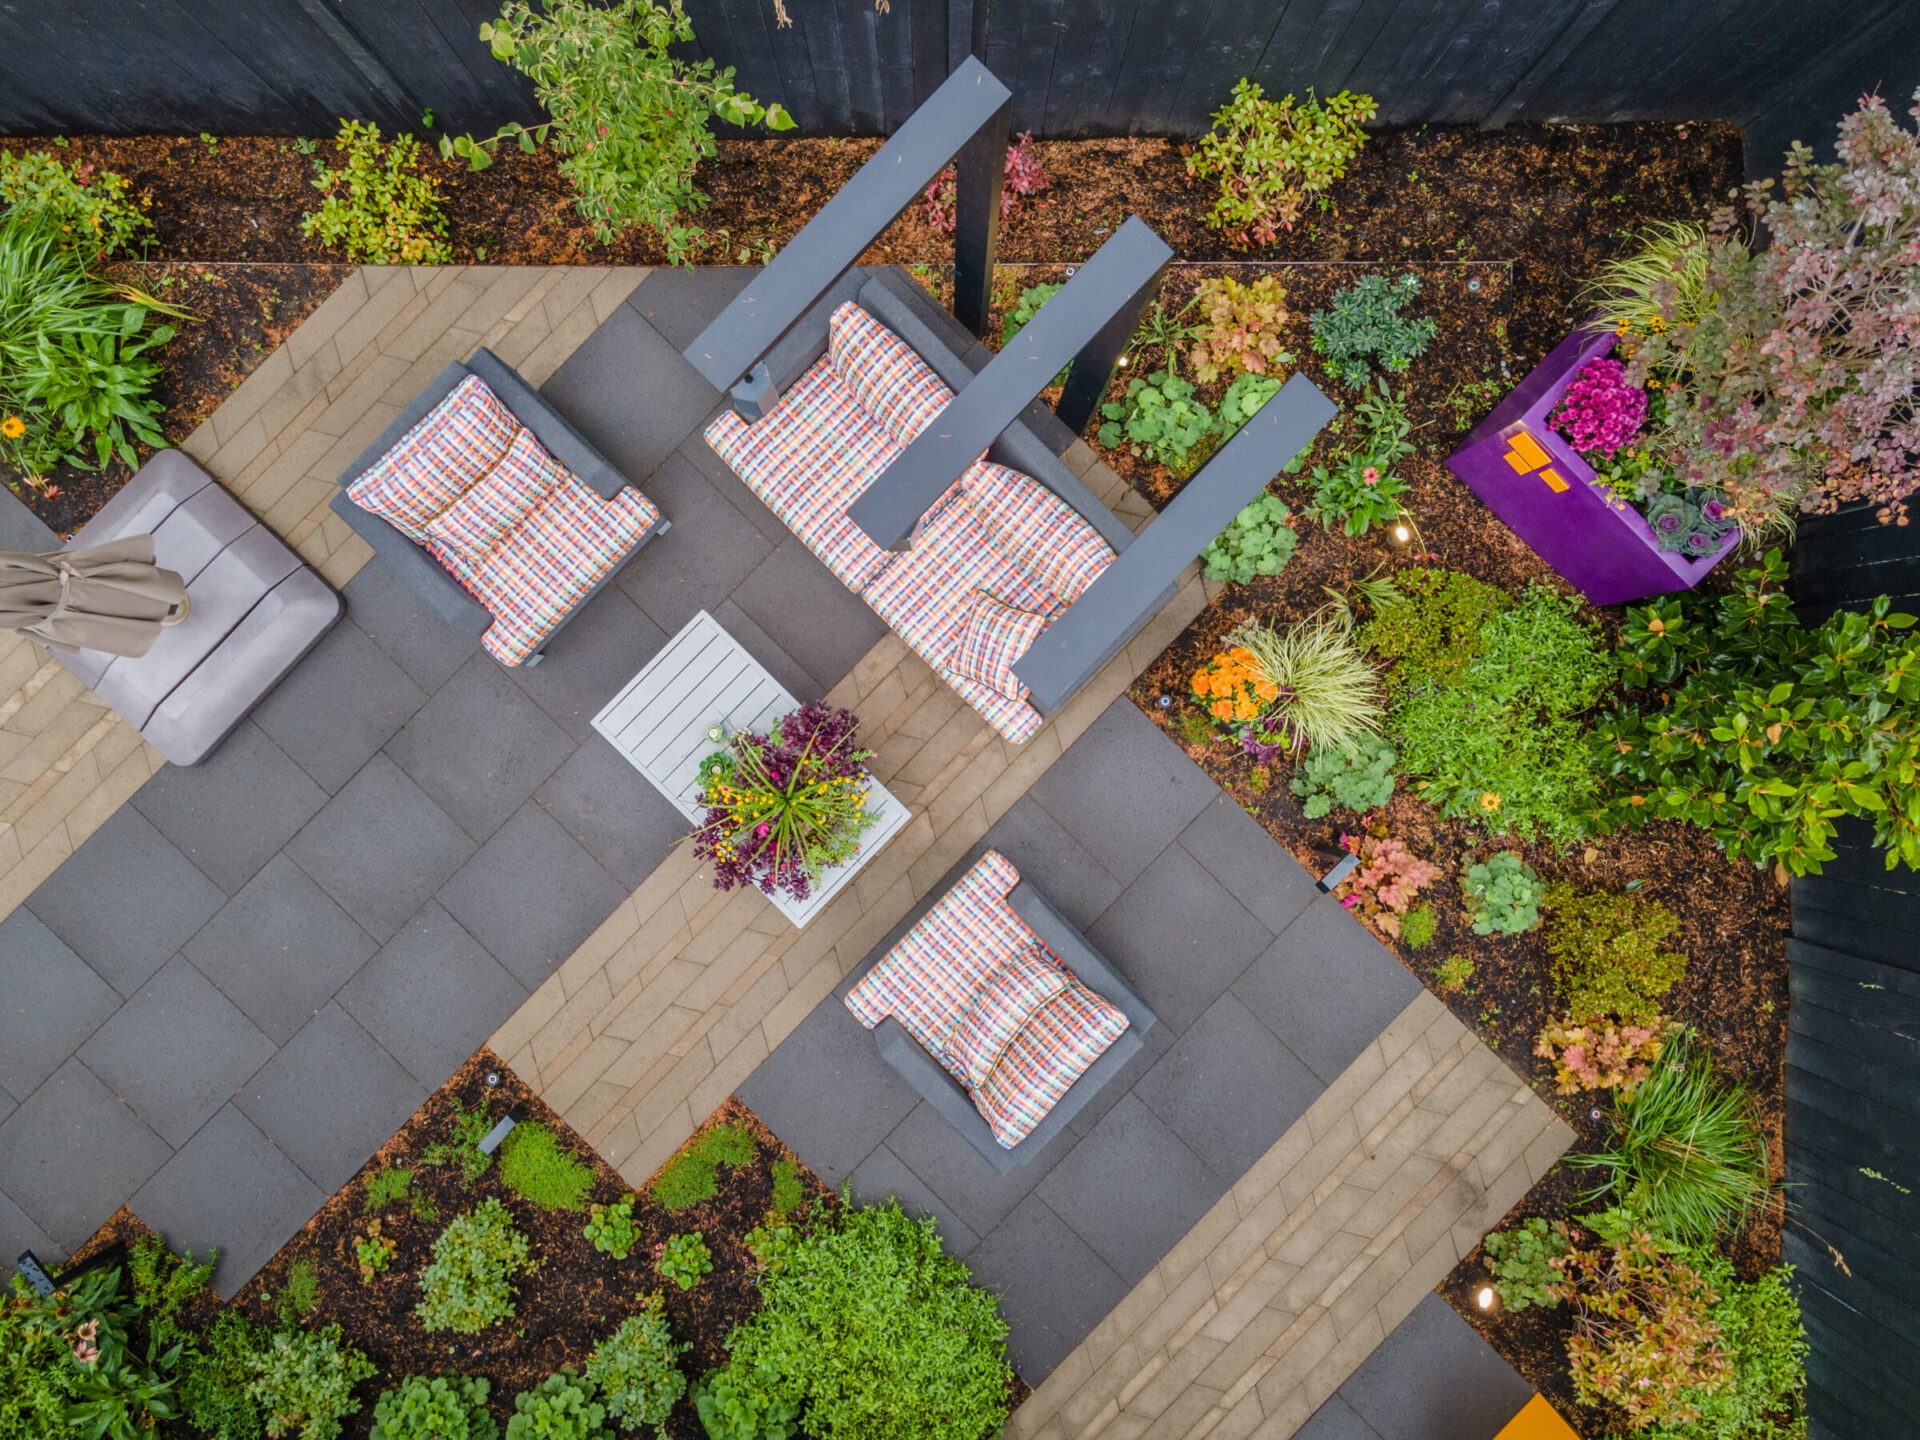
[(1328, 695), (1501, 743), (1162, 419), (738, 1404), (535, 1168), (437, 1407), (213, 1381), (1364, 328), (1760, 1330), (683, 1259), (1359, 778), (1418, 927), (66, 1365), (469, 1285), (378, 209), (76, 380), (1431, 625), (1503, 895), (1606, 953), (611, 1228), (1032, 297), (1687, 1155), (559, 1408), (303, 1380), (1764, 731), (789, 1193), (90, 209), (637, 1368), (1258, 542), (877, 1333), (1269, 157), (1241, 403), (1360, 489), (164, 1283), (299, 1292), (388, 1184), (691, 1176), (628, 117), (1521, 1262), (1242, 332)]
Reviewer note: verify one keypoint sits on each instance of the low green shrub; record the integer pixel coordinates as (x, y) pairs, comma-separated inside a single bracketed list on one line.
[(1258, 542), (1760, 1330), (535, 1168), (738, 1404), (303, 1381), (377, 208), (214, 1394), (163, 1283), (388, 1184), (1364, 328), (1454, 974), (1504, 894), (1430, 625), (561, 1407), (435, 1407), (1521, 1263), (469, 1285), (684, 1259), (877, 1333), (611, 1228), (1268, 158), (66, 1366), (1418, 926), (92, 210), (1161, 419), (1359, 778), (789, 1192), (637, 1368), (1607, 955), (373, 1252), (693, 1174)]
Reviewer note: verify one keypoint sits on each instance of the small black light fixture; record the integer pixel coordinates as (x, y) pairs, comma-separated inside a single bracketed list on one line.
[(1165, 702), (492, 1139), (1594, 1113), (1486, 1298), (1473, 286), (492, 1079)]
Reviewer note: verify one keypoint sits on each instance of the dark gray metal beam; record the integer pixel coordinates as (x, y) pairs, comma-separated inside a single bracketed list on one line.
[(1066, 326), (970, 100), (979, 177), (1112, 609), (1093, 371)]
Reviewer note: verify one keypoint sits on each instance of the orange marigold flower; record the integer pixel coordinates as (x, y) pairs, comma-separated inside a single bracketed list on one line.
[(13, 427), (1222, 709)]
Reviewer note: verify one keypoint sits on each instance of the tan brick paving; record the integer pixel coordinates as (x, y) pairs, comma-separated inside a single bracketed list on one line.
[(279, 442)]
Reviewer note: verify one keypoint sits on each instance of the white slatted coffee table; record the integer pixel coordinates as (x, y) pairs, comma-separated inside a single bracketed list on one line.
[(702, 678)]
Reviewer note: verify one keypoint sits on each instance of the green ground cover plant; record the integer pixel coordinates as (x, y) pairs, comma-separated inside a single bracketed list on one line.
[(535, 1167), (636, 1370), (1609, 955), (692, 1175), (1418, 927), (1521, 1262), (611, 1228), (684, 1259), (1365, 328), (299, 1292), (1162, 419), (376, 207), (303, 1381), (737, 1404), (1268, 158), (462, 1152), (561, 1407), (1359, 778), (387, 1185), (469, 1285), (435, 1407), (1258, 542), (214, 1396), (1504, 894), (1428, 626), (92, 210)]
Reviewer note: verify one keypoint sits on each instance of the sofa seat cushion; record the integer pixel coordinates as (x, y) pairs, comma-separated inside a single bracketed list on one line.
[(1042, 534), (559, 553), (1000, 1011), (1055, 1048), (930, 979), (992, 640), (476, 524), (889, 381), (458, 441), (808, 460)]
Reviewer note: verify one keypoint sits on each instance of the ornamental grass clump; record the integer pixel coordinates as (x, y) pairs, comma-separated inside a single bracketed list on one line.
[(783, 807), (1270, 157), (1319, 692)]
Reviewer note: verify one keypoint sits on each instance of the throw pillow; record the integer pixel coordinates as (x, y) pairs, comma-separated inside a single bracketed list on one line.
[(438, 460), (474, 525), (1042, 1062), (1005, 1003), (994, 636)]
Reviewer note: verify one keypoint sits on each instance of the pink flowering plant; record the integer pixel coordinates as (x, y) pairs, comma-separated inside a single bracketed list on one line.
[(1601, 1054), (1390, 875), (1599, 411), (785, 806), (1024, 177)]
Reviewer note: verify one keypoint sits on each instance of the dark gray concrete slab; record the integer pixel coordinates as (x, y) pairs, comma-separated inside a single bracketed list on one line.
[(432, 996), (1327, 987), (730, 486), (235, 809), (1434, 1378), (398, 619), (531, 895), (1180, 936), (1263, 877), (229, 1188), (50, 1001), (628, 390), (177, 1051), (972, 1191), (381, 848), (339, 706), (331, 1097), (587, 663), (1077, 883), (1336, 1420), (280, 948), (1053, 1287), (126, 900), (884, 1176), (681, 303), (697, 564), (1124, 790), (74, 1154), (480, 747), (20, 1232), (605, 804), (809, 614)]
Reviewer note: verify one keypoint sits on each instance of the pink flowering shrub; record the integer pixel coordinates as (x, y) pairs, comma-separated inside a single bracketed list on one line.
[(1390, 875), (1601, 1054), (1600, 411), (1024, 176)]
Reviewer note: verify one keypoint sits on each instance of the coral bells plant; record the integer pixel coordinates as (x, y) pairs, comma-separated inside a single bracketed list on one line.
[(1601, 1054), (785, 806), (1599, 410), (1390, 875)]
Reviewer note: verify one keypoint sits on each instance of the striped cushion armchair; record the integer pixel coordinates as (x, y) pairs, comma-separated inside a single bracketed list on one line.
[(1000, 1014)]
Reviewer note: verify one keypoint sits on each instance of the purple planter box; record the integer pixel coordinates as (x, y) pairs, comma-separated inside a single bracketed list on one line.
[(1532, 479)]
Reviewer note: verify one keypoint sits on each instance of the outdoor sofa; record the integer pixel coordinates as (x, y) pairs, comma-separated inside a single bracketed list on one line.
[(997, 1011), (501, 514)]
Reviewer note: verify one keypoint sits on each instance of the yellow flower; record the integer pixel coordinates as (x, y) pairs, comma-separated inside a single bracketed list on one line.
[(1489, 801), (13, 427)]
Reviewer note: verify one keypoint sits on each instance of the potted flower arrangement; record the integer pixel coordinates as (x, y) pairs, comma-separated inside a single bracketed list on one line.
[(786, 806)]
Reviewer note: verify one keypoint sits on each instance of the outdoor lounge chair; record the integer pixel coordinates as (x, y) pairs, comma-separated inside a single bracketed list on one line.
[(494, 508), (997, 1011)]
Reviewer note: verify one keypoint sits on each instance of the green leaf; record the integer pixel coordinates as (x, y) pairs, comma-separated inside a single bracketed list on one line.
[(779, 119), (527, 142)]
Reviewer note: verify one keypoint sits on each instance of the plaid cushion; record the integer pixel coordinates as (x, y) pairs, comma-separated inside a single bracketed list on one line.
[(1040, 532), (1054, 1049), (888, 380), (567, 544), (458, 441), (476, 523), (998, 1013), (929, 980), (993, 637), (809, 459)]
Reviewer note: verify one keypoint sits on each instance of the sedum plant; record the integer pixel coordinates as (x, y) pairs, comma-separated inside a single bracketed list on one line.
[(1161, 419), (1268, 158), (627, 116), (1607, 955), (1359, 778), (1418, 927), (1364, 328), (683, 1259), (561, 1407), (535, 1168), (636, 1370), (1521, 1263), (469, 1285), (303, 1381), (1503, 895), (693, 1174), (611, 1228), (1241, 335), (376, 207), (437, 1407), (1258, 542)]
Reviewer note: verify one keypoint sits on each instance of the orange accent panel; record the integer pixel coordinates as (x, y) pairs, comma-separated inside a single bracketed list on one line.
[(1554, 482), (1530, 449), (1537, 1420), (1517, 461)]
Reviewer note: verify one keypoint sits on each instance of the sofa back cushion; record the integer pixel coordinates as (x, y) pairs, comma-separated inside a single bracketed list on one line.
[(1000, 1011), (1056, 1046), (893, 384), (1042, 534), (476, 524), (458, 441)]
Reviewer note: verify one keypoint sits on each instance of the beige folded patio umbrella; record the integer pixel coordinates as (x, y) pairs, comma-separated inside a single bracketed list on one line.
[(109, 597)]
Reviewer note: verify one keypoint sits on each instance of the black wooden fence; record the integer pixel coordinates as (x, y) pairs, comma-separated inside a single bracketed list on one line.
[(1853, 1065), (1077, 67)]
